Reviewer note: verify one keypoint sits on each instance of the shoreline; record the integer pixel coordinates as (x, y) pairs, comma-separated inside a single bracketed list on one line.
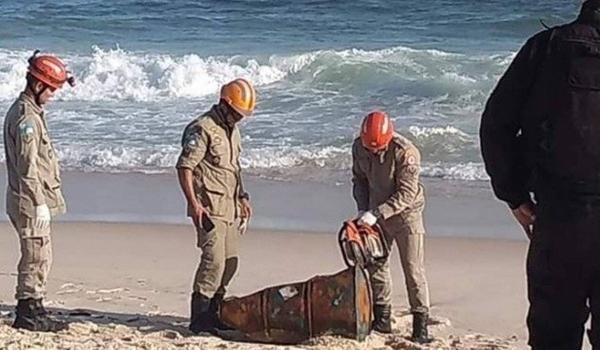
[(278, 205)]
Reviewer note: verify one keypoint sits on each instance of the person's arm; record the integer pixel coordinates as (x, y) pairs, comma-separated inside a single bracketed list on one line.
[(28, 137), (244, 196), (407, 184), (360, 184), (501, 123), (194, 149)]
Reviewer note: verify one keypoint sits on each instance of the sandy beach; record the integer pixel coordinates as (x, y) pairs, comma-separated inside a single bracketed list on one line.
[(125, 253), (127, 286), (125, 257)]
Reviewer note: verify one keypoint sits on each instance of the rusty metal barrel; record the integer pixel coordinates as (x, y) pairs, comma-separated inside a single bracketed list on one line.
[(339, 304)]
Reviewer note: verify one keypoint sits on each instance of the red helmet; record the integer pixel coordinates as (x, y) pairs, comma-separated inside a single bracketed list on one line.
[(49, 70), (377, 131)]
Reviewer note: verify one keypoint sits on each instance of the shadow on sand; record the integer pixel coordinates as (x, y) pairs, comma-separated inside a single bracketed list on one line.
[(143, 323)]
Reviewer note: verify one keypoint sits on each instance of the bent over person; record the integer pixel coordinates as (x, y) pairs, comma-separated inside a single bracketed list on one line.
[(34, 196), (210, 177), (387, 191)]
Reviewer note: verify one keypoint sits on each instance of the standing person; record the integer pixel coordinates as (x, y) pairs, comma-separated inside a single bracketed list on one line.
[(540, 134), (210, 177), (387, 190), (34, 194)]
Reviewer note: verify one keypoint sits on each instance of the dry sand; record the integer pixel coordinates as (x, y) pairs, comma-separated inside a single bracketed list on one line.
[(126, 286)]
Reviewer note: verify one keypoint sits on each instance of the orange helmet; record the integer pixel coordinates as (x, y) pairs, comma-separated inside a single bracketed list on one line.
[(239, 95), (49, 70), (377, 131)]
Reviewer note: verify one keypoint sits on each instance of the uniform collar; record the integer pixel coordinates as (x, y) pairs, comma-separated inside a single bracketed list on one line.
[(31, 103), (221, 116)]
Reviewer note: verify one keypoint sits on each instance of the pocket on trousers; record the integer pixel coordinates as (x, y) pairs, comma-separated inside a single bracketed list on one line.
[(27, 230), (32, 249), (203, 237), (409, 224), (52, 193)]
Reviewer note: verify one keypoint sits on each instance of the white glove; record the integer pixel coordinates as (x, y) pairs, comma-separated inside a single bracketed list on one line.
[(42, 217), (367, 219)]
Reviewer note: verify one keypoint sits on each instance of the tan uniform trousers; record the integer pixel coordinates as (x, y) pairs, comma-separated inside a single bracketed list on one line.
[(219, 260), (36, 258), (409, 238)]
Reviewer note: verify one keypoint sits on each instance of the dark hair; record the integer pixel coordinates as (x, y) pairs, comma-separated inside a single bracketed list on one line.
[(31, 80)]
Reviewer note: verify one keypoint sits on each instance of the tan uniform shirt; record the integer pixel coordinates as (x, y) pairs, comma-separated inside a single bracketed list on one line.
[(31, 161), (213, 155), (388, 182)]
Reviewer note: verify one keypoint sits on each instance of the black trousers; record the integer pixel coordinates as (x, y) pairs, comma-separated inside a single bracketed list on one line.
[(563, 274)]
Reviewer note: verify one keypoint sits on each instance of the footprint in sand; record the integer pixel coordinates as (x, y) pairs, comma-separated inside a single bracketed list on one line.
[(69, 288)]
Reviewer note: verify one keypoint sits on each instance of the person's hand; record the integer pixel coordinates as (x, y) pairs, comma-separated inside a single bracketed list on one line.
[(42, 217), (243, 225), (246, 209), (367, 219), (525, 215), (196, 212)]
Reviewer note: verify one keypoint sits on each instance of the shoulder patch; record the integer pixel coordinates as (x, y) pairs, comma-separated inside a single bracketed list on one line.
[(26, 130), (191, 141)]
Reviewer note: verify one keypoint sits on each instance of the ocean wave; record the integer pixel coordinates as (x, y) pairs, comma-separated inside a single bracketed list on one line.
[(318, 97), (117, 75), (117, 159), (421, 132), (280, 162), (120, 75), (469, 171), (163, 159)]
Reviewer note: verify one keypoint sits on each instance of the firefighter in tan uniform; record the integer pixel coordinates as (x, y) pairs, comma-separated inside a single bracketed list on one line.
[(387, 190), (210, 177), (34, 194)]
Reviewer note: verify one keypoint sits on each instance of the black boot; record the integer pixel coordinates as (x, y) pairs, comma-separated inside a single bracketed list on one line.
[(39, 306), (215, 302), (44, 315), (32, 316), (202, 319), (420, 334), (215, 307), (383, 319)]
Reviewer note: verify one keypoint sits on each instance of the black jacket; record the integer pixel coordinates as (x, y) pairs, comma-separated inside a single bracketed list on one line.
[(536, 119)]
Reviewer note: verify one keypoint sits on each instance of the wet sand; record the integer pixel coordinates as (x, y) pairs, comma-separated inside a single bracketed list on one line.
[(454, 209)]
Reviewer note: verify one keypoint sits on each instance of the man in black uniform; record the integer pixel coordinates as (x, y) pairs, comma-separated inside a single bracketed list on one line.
[(540, 135)]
